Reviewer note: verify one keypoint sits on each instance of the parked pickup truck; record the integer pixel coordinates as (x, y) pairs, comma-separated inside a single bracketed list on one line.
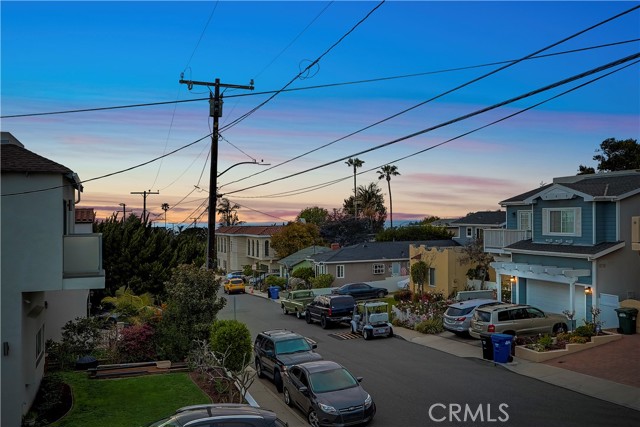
[(296, 302)]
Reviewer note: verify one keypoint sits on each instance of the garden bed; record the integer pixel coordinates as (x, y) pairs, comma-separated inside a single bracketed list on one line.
[(542, 356)]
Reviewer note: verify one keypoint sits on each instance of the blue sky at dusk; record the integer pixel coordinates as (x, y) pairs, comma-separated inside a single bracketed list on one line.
[(61, 56)]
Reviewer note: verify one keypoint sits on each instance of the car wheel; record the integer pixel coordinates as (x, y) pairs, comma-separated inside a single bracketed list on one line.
[(277, 379), (287, 397), (366, 334), (324, 323), (307, 317), (284, 310), (381, 294), (259, 369), (313, 418), (390, 333), (559, 327)]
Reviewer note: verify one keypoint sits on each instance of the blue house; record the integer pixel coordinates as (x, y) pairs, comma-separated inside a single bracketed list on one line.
[(568, 245)]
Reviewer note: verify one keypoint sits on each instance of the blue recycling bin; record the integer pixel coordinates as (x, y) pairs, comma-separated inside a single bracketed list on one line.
[(274, 292), (501, 347)]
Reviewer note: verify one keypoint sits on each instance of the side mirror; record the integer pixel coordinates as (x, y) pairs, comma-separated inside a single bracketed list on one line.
[(314, 345), (304, 390), (269, 353), (359, 379)]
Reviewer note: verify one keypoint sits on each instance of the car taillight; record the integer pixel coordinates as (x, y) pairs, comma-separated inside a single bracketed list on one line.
[(460, 319), (491, 328), (329, 311)]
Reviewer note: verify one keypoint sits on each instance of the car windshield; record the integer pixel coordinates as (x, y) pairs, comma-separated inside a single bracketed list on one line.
[(336, 379), (483, 316), (292, 346), (458, 311)]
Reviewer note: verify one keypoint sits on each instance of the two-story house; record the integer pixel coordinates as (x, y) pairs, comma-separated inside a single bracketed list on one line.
[(472, 226), (579, 254), (240, 245), (41, 253)]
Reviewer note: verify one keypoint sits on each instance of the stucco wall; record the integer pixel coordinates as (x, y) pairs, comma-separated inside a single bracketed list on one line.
[(450, 275)]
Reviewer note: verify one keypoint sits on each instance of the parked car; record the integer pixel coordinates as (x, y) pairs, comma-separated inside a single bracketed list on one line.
[(457, 316), (234, 285), (296, 302), (221, 414), (236, 275), (277, 349), (330, 309), (259, 279), (328, 394), (371, 319), (515, 319), (360, 291)]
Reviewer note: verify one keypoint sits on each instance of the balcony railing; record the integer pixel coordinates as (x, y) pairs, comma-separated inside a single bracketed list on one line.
[(82, 268), (496, 240)]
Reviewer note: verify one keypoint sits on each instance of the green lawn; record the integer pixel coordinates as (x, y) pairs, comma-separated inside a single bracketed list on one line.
[(127, 402)]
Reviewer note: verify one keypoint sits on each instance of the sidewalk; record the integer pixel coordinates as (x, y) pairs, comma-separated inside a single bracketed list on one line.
[(599, 388)]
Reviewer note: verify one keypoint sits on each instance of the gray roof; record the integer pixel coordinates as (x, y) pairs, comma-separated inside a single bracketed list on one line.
[(302, 254), (15, 158), (376, 251), (528, 245), (482, 218), (610, 184)]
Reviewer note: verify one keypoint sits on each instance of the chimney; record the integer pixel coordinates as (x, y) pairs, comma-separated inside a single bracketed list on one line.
[(335, 246)]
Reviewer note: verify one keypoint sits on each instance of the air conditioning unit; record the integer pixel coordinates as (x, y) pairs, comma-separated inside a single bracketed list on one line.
[(635, 233)]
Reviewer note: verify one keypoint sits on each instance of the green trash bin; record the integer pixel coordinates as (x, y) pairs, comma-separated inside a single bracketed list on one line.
[(627, 319)]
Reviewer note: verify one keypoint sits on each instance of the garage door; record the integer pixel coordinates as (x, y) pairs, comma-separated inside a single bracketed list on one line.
[(554, 297)]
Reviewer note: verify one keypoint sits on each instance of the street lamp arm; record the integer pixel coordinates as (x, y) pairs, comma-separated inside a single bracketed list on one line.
[(243, 163)]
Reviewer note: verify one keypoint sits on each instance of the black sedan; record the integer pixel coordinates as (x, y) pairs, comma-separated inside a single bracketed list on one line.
[(361, 291), (327, 394)]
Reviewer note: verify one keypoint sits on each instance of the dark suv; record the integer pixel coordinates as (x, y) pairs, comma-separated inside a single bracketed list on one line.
[(277, 349), (330, 309)]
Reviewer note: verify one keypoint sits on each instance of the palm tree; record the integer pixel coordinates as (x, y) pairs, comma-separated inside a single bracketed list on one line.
[(386, 172), (165, 208), (228, 212), (356, 163), (372, 205)]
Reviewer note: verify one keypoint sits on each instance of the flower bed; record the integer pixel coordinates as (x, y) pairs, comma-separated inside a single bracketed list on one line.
[(541, 356)]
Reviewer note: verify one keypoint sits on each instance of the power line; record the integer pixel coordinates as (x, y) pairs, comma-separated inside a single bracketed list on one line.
[(348, 83)]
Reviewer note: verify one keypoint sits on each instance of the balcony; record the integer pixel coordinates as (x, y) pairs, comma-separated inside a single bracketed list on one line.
[(496, 240), (82, 268)]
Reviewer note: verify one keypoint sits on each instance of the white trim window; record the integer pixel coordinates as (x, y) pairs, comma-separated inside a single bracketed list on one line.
[(432, 277), (39, 345), (561, 221), (469, 232), (524, 220), (378, 268), (339, 271)]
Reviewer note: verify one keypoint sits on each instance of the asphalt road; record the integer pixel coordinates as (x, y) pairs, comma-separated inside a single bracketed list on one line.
[(414, 385)]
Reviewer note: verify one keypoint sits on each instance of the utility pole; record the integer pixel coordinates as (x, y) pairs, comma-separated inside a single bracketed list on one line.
[(144, 195), (215, 111), (124, 212)]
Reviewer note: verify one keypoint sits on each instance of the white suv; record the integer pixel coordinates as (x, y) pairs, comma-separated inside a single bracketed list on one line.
[(515, 319)]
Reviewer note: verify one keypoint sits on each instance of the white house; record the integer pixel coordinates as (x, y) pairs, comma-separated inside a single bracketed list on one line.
[(41, 253)]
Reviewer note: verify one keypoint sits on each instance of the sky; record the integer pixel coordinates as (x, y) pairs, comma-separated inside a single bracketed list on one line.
[(416, 84)]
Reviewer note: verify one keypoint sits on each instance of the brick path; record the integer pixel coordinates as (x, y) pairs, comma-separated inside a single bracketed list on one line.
[(617, 361)]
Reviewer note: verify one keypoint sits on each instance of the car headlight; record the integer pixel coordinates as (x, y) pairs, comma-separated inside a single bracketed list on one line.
[(328, 409), (368, 401)]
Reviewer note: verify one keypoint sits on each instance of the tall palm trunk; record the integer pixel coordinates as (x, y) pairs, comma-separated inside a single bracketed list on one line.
[(390, 202)]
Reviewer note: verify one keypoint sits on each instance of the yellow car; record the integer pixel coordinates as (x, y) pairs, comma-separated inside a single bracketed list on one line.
[(234, 285)]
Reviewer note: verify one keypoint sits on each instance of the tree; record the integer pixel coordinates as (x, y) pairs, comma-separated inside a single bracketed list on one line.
[(371, 200), (356, 163), (413, 232), (473, 253), (228, 212), (294, 237), (386, 172), (233, 340), (165, 208), (344, 229), (314, 215), (419, 272), (616, 155), (191, 308)]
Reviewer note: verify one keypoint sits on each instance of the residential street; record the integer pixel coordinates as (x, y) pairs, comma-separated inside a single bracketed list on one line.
[(414, 385)]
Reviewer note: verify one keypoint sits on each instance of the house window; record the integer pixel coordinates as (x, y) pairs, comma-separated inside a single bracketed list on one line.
[(340, 271), (248, 247), (562, 221), (469, 232), (39, 345), (524, 220), (432, 277), (266, 248), (253, 248), (378, 268)]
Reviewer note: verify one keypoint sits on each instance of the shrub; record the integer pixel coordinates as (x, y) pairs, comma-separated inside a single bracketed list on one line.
[(231, 341), (575, 339), (281, 282), (430, 326), (403, 295), (586, 331), (136, 344), (321, 281), (304, 273)]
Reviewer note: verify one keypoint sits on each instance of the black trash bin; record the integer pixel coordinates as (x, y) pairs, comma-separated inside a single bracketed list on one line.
[(487, 346), (627, 319)]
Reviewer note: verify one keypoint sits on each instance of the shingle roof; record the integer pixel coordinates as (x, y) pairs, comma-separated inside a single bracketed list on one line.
[(482, 218), (528, 245), (251, 230), (373, 251), (302, 254), (14, 158), (611, 184)]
